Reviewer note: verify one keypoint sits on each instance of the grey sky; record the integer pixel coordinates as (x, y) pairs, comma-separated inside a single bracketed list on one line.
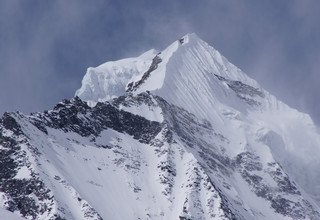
[(46, 46)]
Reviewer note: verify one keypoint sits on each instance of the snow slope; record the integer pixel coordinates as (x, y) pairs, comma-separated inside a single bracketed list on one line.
[(195, 76), (180, 134)]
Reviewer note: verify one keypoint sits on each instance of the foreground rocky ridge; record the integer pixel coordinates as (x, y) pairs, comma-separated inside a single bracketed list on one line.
[(182, 156)]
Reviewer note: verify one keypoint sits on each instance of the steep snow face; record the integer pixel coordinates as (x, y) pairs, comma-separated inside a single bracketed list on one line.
[(193, 75), (184, 135), (199, 79), (109, 80), (101, 162)]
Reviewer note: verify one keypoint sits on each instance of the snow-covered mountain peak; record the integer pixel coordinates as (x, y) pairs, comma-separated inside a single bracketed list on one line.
[(197, 78), (177, 134), (190, 38), (152, 70)]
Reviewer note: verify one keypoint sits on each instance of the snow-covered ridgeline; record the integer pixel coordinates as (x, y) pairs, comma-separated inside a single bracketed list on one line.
[(178, 134), (195, 76)]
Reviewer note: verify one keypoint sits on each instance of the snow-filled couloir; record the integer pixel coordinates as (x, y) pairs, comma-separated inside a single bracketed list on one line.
[(177, 134)]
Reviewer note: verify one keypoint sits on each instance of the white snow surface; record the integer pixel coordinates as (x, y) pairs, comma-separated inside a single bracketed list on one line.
[(231, 140), (186, 78), (109, 80), (7, 215)]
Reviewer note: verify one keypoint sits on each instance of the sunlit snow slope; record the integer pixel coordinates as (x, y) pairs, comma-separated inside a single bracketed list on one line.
[(193, 75), (178, 134)]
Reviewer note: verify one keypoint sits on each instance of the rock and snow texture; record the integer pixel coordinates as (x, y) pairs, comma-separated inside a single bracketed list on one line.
[(179, 134)]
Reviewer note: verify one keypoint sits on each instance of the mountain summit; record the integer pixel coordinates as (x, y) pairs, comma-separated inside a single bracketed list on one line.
[(177, 134)]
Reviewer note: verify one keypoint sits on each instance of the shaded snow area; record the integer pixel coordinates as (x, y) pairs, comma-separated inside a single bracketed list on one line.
[(179, 134)]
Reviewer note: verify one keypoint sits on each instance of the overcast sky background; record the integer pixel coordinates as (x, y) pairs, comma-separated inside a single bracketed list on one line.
[(46, 46)]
